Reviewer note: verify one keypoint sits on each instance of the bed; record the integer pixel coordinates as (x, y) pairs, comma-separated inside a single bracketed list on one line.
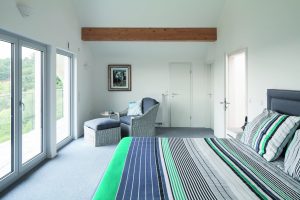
[(195, 168)]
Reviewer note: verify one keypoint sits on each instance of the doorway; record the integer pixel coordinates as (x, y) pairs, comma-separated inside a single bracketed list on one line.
[(235, 103), (64, 74), (180, 94)]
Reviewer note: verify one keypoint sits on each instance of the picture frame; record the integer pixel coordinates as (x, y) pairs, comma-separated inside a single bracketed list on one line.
[(119, 77)]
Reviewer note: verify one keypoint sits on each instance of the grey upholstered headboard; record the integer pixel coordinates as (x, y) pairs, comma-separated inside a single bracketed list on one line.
[(284, 101)]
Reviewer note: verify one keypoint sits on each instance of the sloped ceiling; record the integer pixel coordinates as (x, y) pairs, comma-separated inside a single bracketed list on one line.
[(148, 13)]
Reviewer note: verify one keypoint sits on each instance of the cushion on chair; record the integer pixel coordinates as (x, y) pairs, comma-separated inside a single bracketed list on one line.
[(148, 103), (102, 123), (127, 119), (135, 108)]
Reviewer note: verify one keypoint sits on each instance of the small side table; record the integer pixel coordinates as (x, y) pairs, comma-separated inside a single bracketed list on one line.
[(109, 114)]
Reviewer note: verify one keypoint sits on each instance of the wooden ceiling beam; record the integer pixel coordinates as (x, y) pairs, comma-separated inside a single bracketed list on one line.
[(149, 34)]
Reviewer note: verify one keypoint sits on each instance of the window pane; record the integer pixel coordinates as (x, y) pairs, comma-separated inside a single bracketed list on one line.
[(5, 109), (31, 103), (63, 64)]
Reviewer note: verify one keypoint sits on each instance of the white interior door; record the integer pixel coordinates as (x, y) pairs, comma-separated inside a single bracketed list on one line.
[(211, 96), (180, 95), (219, 96), (236, 91)]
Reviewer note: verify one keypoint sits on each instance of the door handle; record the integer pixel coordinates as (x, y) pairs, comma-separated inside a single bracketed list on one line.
[(22, 105), (174, 94), (225, 104)]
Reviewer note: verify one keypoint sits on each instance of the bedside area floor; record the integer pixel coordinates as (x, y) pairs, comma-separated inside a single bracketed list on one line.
[(77, 169)]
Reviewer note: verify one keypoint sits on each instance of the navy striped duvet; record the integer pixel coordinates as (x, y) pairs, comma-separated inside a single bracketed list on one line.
[(161, 168)]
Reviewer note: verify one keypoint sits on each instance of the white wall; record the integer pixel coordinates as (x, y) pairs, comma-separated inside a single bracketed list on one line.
[(150, 78), (270, 30), (55, 24)]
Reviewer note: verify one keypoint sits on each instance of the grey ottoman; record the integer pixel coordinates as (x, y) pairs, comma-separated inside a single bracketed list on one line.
[(102, 131)]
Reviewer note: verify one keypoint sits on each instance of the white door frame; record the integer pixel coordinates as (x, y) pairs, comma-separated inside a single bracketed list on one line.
[(191, 91), (70, 138)]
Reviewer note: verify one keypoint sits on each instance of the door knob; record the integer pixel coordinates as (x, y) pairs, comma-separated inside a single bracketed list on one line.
[(22, 105), (222, 102), (225, 104)]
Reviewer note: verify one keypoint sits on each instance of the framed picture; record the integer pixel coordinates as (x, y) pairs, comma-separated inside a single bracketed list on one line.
[(119, 77)]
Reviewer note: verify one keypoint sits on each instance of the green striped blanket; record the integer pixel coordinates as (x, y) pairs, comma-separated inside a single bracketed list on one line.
[(174, 168)]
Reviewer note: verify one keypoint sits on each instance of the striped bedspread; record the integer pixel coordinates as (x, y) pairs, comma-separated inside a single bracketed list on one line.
[(174, 168)]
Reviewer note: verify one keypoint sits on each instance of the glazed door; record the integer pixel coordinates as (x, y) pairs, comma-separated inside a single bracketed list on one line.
[(22, 141)]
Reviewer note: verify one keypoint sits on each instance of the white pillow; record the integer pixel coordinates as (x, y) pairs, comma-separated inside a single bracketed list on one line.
[(135, 108)]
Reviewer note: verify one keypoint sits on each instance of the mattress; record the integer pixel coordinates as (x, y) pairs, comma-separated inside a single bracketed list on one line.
[(194, 168)]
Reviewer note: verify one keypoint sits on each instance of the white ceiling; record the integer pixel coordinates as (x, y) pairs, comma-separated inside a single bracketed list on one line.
[(148, 13)]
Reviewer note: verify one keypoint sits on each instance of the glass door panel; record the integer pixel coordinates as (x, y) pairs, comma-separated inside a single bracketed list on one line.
[(6, 111), (31, 103), (63, 93)]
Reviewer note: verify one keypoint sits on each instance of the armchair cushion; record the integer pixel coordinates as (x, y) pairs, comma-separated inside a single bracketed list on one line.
[(148, 103), (127, 119), (134, 108)]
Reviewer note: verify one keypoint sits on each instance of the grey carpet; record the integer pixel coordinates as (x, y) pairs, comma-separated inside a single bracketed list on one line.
[(73, 174), (76, 171)]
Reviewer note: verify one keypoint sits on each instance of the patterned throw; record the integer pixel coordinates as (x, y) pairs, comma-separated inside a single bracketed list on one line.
[(292, 157), (160, 168), (274, 134)]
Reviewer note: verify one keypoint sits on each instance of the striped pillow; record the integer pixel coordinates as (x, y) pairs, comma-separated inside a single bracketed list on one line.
[(252, 127), (292, 158), (273, 134)]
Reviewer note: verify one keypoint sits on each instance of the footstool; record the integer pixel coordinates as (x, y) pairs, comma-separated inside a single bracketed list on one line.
[(102, 131)]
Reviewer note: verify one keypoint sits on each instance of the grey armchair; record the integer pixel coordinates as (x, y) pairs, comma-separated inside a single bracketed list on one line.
[(143, 125)]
